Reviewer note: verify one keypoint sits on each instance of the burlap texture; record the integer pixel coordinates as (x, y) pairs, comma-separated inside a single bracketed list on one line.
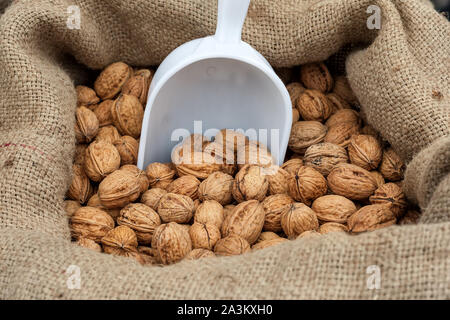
[(400, 75)]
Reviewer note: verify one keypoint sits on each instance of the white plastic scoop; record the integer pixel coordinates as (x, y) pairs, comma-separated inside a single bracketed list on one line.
[(222, 82)]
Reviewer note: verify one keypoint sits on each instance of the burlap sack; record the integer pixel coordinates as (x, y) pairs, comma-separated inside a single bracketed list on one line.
[(400, 75)]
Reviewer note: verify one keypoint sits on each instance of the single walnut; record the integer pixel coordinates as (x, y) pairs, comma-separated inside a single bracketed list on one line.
[(298, 219), (142, 219), (307, 185), (295, 115), (140, 174), (365, 151), (341, 133), (392, 167), (88, 243), (231, 245), (91, 223), (295, 89), (204, 236), (185, 185), (175, 208), (172, 242), (332, 227), (127, 114), (305, 134), (246, 220), (274, 206), (160, 175), (138, 85), (278, 180), (378, 178), (333, 208), (309, 234), (218, 186), (152, 197), (128, 149), (80, 189), (111, 80), (148, 255), (199, 164), (209, 212), (267, 235), (337, 103), (107, 134), (199, 254), (103, 113), (87, 125), (120, 241), (344, 115), (254, 153), (391, 195), (102, 158), (86, 96), (80, 154), (351, 181), (119, 189), (228, 209), (372, 217), (324, 157), (316, 76), (70, 206), (410, 217), (268, 243), (95, 202), (292, 165), (342, 89), (313, 105), (250, 183)]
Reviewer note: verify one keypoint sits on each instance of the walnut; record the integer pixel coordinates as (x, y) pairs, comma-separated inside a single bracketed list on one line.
[(172, 242), (88, 243), (199, 254), (127, 147), (127, 114), (250, 183), (392, 167), (142, 219), (351, 181), (210, 212), (292, 165), (160, 175), (111, 80), (152, 197), (268, 243), (342, 89), (274, 206), (295, 115), (267, 235), (80, 154), (86, 96), (332, 227), (337, 103), (365, 151), (278, 180), (80, 189), (307, 185), (185, 185), (95, 202), (295, 89), (410, 217), (120, 241), (344, 115), (378, 178), (313, 105), (225, 157), (149, 255), (298, 219), (175, 208), (324, 157), (91, 223), (103, 113), (333, 208), (102, 158), (108, 134), (305, 134), (218, 186), (140, 174), (372, 217), (230, 140), (204, 236), (138, 85), (369, 130), (199, 164), (119, 189), (391, 195), (70, 206), (231, 245), (316, 76), (309, 234), (228, 209), (87, 125), (194, 142), (341, 133), (254, 153)]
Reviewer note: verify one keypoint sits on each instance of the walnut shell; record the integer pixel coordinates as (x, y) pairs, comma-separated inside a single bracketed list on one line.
[(88, 243), (108, 134), (218, 186), (160, 175), (175, 208), (120, 241), (332, 227), (267, 235), (80, 154), (278, 179), (378, 178), (254, 153), (250, 183), (316, 76), (140, 174), (305, 134), (185, 185), (95, 202), (333, 208), (209, 212), (372, 217), (199, 164), (127, 114), (295, 115), (196, 254), (391, 195), (295, 89), (351, 181), (119, 189), (313, 105), (344, 115), (87, 124), (102, 158), (365, 151), (204, 236), (342, 89), (324, 157), (194, 142), (298, 219), (230, 140), (341, 133), (268, 243), (103, 113), (86, 96), (70, 206), (152, 197), (231, 245), (307, 185), (172, 242), (138, 85), (292, 165), (274, 206), (91, 223), (111, 80), (391, 167), (337, 103), (127, 147), (80, 189), (309, 234), (369, 130), (246, 220), (148, 255), (142, 219), (228, 209)]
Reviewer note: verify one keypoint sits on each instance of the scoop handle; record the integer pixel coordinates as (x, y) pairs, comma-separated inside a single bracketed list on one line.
[(230, 19)]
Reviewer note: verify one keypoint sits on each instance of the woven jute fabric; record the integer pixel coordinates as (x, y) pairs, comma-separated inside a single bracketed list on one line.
[(400, 73)]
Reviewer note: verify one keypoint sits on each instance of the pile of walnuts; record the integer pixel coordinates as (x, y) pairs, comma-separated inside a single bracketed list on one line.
[(226, 197)]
